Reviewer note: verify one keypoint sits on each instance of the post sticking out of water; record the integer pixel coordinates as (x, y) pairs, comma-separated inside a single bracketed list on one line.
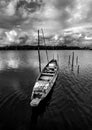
[(69, 60), (78, 69), (77, 60), (58, 58), (72, 61), (53, 56), (39, 53)]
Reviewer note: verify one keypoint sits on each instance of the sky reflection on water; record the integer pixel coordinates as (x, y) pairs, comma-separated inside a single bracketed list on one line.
[(15, 60), (29, 59)]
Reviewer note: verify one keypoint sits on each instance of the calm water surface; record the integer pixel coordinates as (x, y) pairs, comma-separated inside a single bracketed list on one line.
[(68, 105)]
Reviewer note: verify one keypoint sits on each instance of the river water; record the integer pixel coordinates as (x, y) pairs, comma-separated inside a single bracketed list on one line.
[(68, 105)]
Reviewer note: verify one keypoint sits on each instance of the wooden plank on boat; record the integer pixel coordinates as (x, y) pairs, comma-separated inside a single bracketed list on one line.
[(48, 74)]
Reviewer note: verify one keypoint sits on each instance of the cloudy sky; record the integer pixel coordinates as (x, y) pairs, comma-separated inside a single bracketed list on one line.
[(53, 16)]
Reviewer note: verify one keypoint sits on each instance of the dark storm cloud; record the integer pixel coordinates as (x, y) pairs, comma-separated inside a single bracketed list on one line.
[(73, 12), (53, 15), (61, 4), (9, 21), (58, 7), (14, 13), (56, 10)]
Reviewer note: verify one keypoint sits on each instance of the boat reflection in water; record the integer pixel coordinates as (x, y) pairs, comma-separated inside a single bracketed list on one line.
[(67, 106)]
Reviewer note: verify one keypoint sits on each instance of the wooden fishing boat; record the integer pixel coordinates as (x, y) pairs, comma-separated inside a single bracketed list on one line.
[(44, 82)]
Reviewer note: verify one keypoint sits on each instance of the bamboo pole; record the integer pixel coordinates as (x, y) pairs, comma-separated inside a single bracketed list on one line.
[(53, 56), (72, 61), (77, 60), (78, 69), (45, 45), (69, 60), (39, 53), (58, 59)]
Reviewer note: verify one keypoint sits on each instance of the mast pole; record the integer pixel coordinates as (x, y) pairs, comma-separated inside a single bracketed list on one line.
[(39, 53)]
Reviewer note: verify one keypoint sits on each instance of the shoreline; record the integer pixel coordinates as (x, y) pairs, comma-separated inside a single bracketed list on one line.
[(27, 47)]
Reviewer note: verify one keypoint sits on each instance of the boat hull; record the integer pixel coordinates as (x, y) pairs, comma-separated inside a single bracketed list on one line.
[(50, 78)]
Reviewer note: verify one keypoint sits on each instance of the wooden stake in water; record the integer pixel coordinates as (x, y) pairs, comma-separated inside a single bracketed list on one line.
[(77, 60), (78, 69), (69, 60), (53, 56), (58, 59), (72, 61), (39, 53)]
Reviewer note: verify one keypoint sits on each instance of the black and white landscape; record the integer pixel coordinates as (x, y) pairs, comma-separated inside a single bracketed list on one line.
[(65, 34)]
